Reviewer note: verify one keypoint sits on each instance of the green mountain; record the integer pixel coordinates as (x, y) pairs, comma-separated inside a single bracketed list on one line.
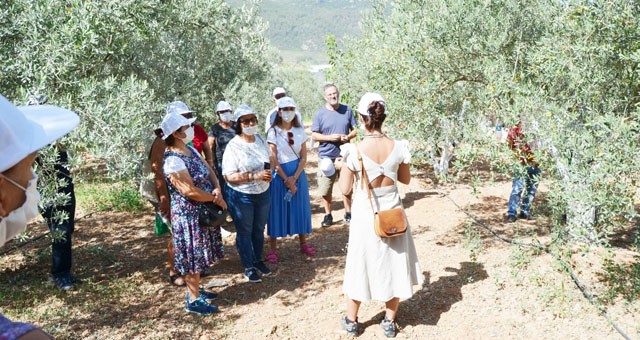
[(298, 27)]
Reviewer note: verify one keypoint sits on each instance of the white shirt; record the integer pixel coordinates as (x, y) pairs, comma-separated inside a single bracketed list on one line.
[(280, 138), (240, 156)]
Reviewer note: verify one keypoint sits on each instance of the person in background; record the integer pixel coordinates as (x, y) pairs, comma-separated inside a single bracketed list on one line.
[(526, 175), (290, 206), (383, 269), (200, 138), (191, 181), (246, 168), (333, 125), (163, 207), (278, 93), (220, 135), (23, 131)]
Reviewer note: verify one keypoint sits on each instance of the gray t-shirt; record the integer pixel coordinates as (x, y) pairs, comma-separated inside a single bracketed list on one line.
[(328, 122)]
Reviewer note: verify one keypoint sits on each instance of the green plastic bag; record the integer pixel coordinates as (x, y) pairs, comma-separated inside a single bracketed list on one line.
[(161, 227)]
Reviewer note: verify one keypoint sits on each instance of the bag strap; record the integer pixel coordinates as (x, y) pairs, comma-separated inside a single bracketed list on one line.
[(364, 180)]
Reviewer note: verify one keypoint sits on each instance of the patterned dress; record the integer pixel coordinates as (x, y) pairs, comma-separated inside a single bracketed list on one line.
[(195, 248)]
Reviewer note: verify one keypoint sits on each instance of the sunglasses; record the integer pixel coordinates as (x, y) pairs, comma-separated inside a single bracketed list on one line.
[(290, 137), (249, 121)]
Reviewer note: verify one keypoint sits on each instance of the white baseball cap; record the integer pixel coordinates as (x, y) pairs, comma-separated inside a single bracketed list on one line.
[(286, 102), (172, 122), (243, 110), (368, 98), (327, 167), (26, 129), (223, 106), (278, 90), (178, 108)]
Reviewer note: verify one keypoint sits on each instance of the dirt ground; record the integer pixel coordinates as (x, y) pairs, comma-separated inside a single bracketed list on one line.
[(505, 293)]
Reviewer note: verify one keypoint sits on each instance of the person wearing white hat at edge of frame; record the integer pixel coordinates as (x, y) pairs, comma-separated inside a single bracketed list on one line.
[(23, 131)]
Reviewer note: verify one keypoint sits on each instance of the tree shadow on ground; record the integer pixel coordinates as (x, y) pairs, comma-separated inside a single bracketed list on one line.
[(433, 299), (491, 212), (124, 267)]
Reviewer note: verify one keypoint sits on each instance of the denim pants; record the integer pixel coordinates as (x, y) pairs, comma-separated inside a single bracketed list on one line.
[(527, 179), (250, 213)]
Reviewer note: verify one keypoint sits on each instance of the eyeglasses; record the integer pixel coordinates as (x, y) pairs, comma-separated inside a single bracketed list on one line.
[(290, 137), (249, 121)]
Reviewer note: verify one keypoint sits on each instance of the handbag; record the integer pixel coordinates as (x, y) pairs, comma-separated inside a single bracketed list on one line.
[(386, 223), (211, 215)]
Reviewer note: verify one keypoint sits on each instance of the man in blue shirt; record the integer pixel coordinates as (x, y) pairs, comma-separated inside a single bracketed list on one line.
[(333, 125)]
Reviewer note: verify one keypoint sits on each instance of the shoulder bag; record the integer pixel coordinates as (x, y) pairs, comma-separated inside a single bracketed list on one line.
[(211, 215), (386, 223)]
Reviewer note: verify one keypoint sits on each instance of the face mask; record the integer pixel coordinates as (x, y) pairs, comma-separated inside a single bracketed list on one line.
[(288, 116), (225, 117), (189, 132), (251, 130), (16, 222)]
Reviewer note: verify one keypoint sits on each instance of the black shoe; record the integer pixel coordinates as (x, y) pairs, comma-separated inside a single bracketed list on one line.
[(262, 268), (347, 217), (62, 283), (252, 275), (526, 216), (389, 328), (327, 221), (511, 218)]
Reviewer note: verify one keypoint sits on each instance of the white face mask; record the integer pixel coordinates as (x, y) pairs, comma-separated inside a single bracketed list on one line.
[(225, 117), (251, 130), (16, 222), (288, 116), (190, 133)]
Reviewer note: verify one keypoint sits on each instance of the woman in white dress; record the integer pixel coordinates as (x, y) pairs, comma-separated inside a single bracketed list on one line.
[(383, 269)]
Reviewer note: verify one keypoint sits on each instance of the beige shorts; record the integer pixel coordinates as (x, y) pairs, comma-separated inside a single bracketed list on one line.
[(325, 184)]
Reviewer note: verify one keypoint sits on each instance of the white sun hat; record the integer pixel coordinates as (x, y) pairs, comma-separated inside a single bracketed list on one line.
[(26, 129), (286, 102), (368, 98), (178, 108), (223, 106), (243, 110), (326, 166), (278, 90), (172, 122)]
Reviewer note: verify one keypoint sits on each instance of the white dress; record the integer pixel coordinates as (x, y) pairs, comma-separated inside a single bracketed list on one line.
[(378, 268)]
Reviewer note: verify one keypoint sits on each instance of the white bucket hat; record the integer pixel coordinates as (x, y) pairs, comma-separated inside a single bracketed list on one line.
[(172, 122), (368, 98), (178, 108), (278, 90), (326, 167), (286, 102), (223, 106), (26, 129), (243, 110)]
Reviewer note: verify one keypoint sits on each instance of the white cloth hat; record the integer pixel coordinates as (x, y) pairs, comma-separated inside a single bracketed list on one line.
[(26, 129), (278, 90), (172, 122), (223, 106), (368, 98), (327, 167), (243, 110), (178, 108), (286, 102)]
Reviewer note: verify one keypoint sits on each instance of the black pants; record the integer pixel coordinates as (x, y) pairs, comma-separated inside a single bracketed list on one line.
[(61, 258)]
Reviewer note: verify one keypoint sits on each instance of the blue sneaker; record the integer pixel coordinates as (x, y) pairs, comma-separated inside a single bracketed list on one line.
[(263, 268), (252, 275), (63, 282), (209, 296), (200, 306)]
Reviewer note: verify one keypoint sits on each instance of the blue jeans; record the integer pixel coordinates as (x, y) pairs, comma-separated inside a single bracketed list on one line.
[(250, 213), (529, 178)]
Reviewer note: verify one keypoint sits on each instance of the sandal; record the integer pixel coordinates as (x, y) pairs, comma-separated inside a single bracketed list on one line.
[(272, 257), (174, 280), (308, 250)]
